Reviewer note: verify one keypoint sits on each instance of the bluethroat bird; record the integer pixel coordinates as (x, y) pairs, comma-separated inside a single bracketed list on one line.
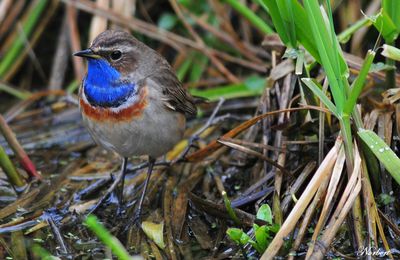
[(131, 100)]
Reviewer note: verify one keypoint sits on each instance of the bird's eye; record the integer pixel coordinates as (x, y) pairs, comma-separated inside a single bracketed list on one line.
[(115, 55)]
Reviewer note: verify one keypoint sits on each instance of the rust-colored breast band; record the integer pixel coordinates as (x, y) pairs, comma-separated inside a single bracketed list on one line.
[(107, 115)]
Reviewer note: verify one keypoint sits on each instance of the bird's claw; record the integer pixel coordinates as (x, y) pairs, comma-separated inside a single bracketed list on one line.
[(137, 218)]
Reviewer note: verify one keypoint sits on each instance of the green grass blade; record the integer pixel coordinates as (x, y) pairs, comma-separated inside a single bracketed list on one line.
[(286, 12), (345, 36), (317, 91), (199, 65), (183, 69), (74, 85), (392, 7), (331, 31), (272, 8), (301, 24), (339, 58), (250, 16), (229, 209), (21, 94), (43, 253), (383, 152), (384, 24), (326, 51), (112, 242), (359, 83), (303, 30), (9, 169), (19, 43), (252, 86)]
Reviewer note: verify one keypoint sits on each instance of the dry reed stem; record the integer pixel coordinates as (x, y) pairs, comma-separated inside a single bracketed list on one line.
[(328, 203), (75, 42), (344, 206), (99, 23), (310, 212), (298, 209)]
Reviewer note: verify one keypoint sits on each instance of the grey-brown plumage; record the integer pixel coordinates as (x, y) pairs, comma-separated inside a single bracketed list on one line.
[(131, 100)]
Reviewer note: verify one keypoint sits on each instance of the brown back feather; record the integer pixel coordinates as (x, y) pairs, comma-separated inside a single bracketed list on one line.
[(176, 96)]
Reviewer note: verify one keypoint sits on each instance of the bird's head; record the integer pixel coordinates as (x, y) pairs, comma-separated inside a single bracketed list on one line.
[(117, 49), (113, 67)]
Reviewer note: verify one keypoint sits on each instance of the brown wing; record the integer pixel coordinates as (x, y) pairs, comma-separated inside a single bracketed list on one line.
[(176, 96)]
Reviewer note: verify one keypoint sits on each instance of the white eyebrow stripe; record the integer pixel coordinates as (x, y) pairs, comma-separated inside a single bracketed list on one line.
[(122, 48)]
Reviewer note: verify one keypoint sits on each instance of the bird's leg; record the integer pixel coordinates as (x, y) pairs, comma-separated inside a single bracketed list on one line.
[(122, 176), (111, 190), (146, 184)]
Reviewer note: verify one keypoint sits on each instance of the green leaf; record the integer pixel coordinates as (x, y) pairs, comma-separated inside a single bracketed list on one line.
[(284, 28), (303, 30), (255, 227), (265, 213), (234, 234), (256, 246), (250, 16), (329, 52), (384, 24), (341, 62), (317, 91), (286, 12), (359, 82), (345, 36), (385, 199), (244, 239), (275, 228), (392, 7), (238, 236), (272, 8), (167, 21), (262, 237), (383, 152)]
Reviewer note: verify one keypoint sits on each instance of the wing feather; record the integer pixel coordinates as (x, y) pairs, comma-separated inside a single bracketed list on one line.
[(176, 97)]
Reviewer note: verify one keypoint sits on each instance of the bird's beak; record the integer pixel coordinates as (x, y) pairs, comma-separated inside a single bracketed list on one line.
[(88, 53)]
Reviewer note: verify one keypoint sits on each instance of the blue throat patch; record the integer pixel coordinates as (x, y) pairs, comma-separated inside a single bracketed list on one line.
[(103, 87)]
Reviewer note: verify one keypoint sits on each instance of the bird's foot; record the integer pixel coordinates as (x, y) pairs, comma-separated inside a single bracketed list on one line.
[(111, 196), (121, 208), (135, 221), (137, 218)]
